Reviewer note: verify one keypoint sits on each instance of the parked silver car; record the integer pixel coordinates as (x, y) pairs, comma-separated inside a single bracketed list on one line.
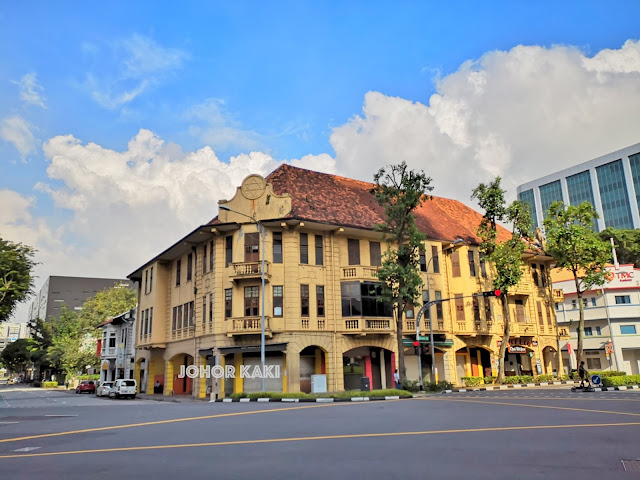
[(103, 389)]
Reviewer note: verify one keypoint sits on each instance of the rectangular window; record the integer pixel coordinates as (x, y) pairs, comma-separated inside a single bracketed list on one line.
[(459, 307), (526, 197), (251, 247), (319, 252), (483, 266), (628, 329), (614, 197), (146, 281), (320, 299), (179, 317), (543, 275), (192, 313), (354, 251), (593, 363), (277, 300), (204, 259), (375, 257), (351, 299), (211, 256), (436, 260), (574, 304), (150, 320), (174, 323), (146, 321), (304, 248), (540, 314), (112, 340), (372, 304), (472, 263), (228, 310), (277, 247), (622, 299), (251, 301), (204, 309), (189, 266), (228, 250), (455, 263), (211, 308), (439, 312), (584, 302), (549, 193), (487, 309), (425, 299), (598, 331), (423, 260), (534, 273), (178, 268), (588, 332), (476, 309), (304, 300), (593, 301), (520, 316)]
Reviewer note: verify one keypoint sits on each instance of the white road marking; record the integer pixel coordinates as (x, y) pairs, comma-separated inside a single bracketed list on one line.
[(26, 449)]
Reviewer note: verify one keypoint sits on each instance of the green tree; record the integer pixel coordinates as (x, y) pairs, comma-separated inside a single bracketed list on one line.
[(574, 245), (400, 191), (107, 303), (505, 257), (17, 355), (627, 243), (16, 280)]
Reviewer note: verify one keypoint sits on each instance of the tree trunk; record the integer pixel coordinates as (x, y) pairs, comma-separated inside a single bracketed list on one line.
[(401, 369), (580, 349), (505, 337)]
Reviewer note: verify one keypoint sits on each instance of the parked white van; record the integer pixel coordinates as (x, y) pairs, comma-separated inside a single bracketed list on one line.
[(124, 388)]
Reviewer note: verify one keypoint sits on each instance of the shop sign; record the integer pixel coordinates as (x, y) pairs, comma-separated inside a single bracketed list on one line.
[(517, 349)]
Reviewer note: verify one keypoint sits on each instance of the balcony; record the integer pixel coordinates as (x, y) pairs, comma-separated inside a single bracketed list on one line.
[(248, 326), (250, 271), (362, 326), (360, 273), (186, 332)]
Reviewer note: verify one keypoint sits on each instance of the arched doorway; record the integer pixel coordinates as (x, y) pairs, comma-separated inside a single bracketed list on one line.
[(550, 359), (142, 374), (312, 362), (375, 363), (181, 386), (517, 361), (426, 365)]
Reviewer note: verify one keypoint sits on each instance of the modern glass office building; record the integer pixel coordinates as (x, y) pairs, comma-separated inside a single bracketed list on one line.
[(611, 183)]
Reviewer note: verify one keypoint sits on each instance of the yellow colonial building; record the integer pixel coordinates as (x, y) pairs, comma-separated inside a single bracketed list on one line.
[(201, 300)]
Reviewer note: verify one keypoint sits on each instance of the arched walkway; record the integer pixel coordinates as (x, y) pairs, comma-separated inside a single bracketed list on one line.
[(180, 386), (375, 363), (313, 361)]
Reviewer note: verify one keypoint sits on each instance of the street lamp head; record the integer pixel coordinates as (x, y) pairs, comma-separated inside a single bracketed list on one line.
[(224, 207)]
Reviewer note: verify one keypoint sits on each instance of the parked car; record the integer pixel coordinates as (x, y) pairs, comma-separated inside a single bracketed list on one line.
[(124, 388), (103, 389), (86, 386)]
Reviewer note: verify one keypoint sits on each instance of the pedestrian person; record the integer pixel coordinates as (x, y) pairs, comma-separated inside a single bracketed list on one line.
[(396, 379), (584, 375)]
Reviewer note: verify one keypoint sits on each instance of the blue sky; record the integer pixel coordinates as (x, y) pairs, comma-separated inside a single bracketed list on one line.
[(339, 86)]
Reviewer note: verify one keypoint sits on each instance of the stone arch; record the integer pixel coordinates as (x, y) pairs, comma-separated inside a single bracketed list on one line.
[(175, 384)]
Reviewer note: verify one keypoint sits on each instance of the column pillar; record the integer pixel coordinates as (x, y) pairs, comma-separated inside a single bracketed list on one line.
[(293, 371)]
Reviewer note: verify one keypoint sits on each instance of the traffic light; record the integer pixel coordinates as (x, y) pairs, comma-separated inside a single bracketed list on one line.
[(416, 345), (492, 293)]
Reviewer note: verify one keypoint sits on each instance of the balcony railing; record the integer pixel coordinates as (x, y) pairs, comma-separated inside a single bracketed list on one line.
[(367, 325), (248, 326), (186, 332), (250, 270), (365, 273)]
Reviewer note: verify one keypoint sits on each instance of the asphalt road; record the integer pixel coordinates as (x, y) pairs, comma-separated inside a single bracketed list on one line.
[(528, 433)]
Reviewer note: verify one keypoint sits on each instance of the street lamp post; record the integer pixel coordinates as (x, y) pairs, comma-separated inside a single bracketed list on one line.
[(427, 308), (262, 234)]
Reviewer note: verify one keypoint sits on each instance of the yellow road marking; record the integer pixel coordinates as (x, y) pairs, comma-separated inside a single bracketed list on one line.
[(325, 437), (560, 398), (538, 406), (177, 420)]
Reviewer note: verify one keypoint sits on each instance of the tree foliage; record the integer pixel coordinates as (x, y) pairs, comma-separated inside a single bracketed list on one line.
[(400, 191), (627, 243), (574, 245), (16, 280), (505, 258)]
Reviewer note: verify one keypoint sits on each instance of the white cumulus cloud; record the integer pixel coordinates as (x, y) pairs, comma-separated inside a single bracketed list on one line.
[(522, 114)]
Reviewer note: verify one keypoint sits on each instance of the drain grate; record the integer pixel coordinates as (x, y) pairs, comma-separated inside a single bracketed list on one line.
[(631, 465)]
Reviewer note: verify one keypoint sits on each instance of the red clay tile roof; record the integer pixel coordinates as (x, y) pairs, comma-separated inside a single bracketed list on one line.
[(331, 199)]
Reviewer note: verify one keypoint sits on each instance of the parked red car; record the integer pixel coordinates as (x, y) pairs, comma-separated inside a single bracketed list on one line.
[(86, 386)]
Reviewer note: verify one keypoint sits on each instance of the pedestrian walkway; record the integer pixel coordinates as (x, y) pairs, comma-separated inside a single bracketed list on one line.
[(171, 398)]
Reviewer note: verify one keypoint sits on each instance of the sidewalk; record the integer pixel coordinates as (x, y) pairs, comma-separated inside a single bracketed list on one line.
[(171, 398)]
